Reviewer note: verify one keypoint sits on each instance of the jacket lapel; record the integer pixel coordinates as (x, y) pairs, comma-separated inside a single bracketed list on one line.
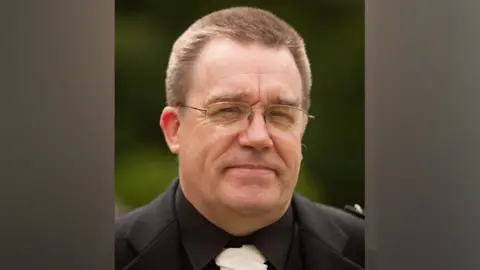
[(321, 241), (155, 235)]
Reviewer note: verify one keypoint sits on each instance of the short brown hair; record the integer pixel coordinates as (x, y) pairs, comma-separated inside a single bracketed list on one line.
[(242, 24)]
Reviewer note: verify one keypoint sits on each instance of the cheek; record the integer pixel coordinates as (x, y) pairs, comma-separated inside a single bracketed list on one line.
[(289, 149), (205, 144), (217, 141)]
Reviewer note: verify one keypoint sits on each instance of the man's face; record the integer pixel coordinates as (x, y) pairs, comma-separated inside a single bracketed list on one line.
[(251, 169)]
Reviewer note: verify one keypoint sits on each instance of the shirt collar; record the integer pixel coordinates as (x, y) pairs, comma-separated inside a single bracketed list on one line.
[(203, 241)]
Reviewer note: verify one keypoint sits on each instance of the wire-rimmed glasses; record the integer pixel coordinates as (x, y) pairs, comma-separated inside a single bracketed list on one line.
[(281, 117)]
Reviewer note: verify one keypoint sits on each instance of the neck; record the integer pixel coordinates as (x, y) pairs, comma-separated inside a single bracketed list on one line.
[(239, 223)]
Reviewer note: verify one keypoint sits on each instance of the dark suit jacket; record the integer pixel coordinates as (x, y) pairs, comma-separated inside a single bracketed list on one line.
[(148, 237)]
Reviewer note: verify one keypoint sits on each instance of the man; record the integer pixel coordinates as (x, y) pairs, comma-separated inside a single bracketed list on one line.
[(237, 86)]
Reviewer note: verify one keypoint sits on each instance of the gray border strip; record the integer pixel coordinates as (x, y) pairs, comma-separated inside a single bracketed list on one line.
[(57, 134), (422, 134)]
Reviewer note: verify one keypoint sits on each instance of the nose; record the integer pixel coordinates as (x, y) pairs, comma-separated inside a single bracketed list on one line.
[(256, 134)]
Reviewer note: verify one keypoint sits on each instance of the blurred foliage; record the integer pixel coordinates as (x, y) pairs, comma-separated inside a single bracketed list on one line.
[(333, 170)]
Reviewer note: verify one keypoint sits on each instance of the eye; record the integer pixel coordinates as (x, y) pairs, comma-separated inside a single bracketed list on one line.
[(232, 109), (222, 112), (282, 116)]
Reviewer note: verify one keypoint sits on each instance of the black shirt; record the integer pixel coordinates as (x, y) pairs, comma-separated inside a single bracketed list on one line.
[(203, 241)]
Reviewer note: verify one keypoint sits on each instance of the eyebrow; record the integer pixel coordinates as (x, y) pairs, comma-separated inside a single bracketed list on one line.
[(231, 97), (284, 101), (244, 97)]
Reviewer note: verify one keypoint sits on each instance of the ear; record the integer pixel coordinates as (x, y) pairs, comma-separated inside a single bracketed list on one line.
[(170, 124)]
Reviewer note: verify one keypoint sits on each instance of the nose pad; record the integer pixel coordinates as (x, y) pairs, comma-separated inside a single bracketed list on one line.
[(256, 134), (252, 114), (251, 118)]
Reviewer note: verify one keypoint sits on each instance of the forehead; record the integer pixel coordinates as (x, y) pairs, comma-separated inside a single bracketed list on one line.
[(255, 72)]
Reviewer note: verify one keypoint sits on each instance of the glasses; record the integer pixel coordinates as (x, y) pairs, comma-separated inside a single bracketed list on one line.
[(282, 117)]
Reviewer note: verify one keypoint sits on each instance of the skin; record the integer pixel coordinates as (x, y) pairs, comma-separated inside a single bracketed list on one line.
[(241, 180)]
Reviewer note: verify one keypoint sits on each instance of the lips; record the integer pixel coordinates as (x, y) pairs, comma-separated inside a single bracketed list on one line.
[(253, 167)]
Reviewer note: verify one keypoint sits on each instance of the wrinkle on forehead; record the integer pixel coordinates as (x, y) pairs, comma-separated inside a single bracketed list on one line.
[(225, 66), (253, 96)]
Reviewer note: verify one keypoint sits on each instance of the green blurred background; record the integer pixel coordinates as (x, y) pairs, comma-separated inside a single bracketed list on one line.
[(333, 168)]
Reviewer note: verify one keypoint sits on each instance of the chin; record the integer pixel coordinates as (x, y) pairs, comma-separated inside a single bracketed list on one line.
[(248, 209), (252, 201)]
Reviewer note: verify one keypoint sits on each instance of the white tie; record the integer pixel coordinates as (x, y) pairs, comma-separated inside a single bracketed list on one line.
[(245, 258)]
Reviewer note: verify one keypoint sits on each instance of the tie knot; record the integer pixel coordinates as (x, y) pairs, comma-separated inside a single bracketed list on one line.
[(247, 257)]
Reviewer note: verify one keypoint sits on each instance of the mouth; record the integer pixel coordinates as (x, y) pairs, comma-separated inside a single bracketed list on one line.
[(251, 169)]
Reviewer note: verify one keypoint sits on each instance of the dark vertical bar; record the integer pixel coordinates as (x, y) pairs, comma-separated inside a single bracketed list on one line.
[(56, 134), (422, 134)]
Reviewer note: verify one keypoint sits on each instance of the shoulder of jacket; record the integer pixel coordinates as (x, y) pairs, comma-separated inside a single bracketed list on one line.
[(124, 251), (353, 225), (136, 228), (124, 222), (348, 221), (349, 218)]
